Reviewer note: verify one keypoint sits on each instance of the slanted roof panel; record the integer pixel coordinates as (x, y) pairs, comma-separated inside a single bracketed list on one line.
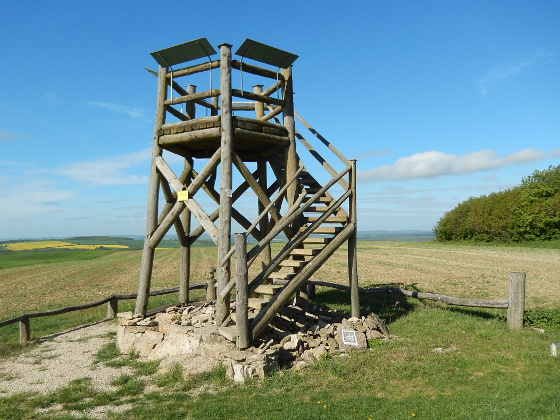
[(181, 53), (266, 54)]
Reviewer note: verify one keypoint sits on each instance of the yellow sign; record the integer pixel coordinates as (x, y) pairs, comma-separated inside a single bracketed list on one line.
[(182, 195)]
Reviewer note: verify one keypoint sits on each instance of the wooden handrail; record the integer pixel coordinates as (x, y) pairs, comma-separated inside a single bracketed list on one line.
[(24, 319)]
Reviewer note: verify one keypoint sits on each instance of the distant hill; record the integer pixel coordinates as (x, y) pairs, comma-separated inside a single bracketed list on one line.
[(396, 235)]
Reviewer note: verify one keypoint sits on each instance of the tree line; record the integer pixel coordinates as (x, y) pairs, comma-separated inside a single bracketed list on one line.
[(528, 212)]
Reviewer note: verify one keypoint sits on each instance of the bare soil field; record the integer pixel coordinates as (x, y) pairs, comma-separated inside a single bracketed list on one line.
[(455, 270)]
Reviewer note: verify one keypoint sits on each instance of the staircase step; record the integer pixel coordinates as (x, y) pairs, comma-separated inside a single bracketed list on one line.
[(332, 219), (312, 190), (281, 275), (267, 289), (293, 263), (316, 209), (257, 303), (323, 199), (251, 315), (228, 332), (330, 230), (305, 252), (316, 240)]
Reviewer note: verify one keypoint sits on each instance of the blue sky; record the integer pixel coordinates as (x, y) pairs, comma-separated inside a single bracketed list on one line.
[(438, 100)]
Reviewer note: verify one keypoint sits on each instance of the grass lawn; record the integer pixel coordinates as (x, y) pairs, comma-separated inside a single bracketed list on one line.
[(445, 362)]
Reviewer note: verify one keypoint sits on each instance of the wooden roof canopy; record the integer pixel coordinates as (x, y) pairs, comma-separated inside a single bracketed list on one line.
[(255, 137)]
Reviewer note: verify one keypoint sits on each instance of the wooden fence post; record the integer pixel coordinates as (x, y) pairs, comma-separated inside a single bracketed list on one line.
[(242, 291), (112, 308), (24, 331), (310, 291), (210, 284), (516, 304)]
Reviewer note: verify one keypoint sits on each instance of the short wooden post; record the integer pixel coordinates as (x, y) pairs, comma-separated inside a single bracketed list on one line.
[(24, 331), (516, 304), (310, 291), (241, 301), (210, 283), (112, 308)]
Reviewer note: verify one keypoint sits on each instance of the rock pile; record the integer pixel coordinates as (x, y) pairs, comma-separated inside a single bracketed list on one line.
[(187, 335), (302, 336)]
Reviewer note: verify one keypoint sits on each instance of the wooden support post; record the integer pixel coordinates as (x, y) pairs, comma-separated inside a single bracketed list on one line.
[(241, 301), (112, 308), (352, 248), (24, 331), (153, 193), (516, 304), (289, 123), (210, 283), (185, 266), (224, 241)]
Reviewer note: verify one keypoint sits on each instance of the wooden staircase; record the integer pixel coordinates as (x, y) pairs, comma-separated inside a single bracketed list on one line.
[(322, 226)]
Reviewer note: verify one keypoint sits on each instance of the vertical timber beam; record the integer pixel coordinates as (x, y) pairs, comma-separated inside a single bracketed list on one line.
[(222, 307), (153, 193), (352, 248), (185, 266), (289, 123), (241, 309), (261, 171)]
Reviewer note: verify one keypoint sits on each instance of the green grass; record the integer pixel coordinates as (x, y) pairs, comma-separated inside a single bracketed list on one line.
[(25, 258), (483, 371)]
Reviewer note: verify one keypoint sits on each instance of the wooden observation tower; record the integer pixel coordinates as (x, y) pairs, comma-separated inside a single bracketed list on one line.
[(238, 155)]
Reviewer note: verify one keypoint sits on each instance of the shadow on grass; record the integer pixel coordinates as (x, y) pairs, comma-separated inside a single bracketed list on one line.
[(388, 306)]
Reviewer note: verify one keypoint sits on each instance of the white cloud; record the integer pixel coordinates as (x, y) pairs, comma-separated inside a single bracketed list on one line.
[(433, 163), (503, 73), (109, 170), (7, 136), (119, 109)]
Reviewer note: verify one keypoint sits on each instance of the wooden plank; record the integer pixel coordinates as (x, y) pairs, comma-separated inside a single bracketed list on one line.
[(332, 219), (190, 136), (256, 97), (257, 303), (267, 289), (193, 97), (204, 220), (259, 71), (198, 68), (169, 175), (261, 137), (305, 251), (322, 139)]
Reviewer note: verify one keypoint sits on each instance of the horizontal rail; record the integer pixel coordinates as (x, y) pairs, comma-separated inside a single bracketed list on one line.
[(94, 304), (450, 300)]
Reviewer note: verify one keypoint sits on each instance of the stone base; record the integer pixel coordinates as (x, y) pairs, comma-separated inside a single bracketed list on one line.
[(188, 336)]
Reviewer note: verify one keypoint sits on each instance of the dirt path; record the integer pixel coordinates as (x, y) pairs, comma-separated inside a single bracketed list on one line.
[(59, 359)]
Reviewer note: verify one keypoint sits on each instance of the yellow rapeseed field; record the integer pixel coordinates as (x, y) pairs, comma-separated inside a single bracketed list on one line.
[(29, 246)]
